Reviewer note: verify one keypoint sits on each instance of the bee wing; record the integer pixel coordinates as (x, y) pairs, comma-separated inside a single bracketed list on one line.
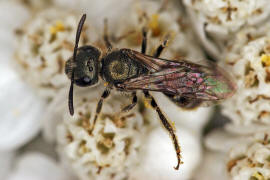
[(151, 63), (183, 79)]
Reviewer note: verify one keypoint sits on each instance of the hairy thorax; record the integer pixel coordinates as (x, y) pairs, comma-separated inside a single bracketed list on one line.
[(118, 67)]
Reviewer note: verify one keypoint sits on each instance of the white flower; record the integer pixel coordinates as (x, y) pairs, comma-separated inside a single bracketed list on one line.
[(37, 166), (20, 122), (211, 167), (158, 157), (34, 5), (111, 150), (160, 23), (251, 160), (243, 156), (251, 71), (97, 10), (5, 163), (216, 21)]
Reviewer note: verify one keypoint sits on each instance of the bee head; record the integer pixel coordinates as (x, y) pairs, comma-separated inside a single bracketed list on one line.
[(86, 66)]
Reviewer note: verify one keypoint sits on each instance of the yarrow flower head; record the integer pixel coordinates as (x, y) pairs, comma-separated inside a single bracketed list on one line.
[(250, 68), (111, 150), (250, 160), (217, 21), (163, 22)]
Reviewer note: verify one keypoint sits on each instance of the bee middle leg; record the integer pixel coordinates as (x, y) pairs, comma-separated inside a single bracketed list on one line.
[(106, 36), (133, 103), (167, 126), (104, 95)]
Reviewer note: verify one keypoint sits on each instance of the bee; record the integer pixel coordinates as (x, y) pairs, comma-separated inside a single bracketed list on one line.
[(187, 84)]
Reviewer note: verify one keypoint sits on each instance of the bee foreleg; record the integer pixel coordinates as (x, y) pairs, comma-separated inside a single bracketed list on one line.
[(168, 127), (106, 36), (104, 95), (133, 103), (144, 41), (161, 47)]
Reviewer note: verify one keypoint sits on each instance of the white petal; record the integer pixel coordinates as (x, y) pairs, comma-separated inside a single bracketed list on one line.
[(9, 22), (37, 166), (21, 111), (222, 141), (5, 163), (213, 166), (59, 106), (246, 129), (209, 46), (159, 157), (54, 115), (97, 10)]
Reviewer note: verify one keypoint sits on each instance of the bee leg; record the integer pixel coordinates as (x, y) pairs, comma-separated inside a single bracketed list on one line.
[(144, 41), (106, 36), (168, 127), (161, 47), (104, 95), (133, 103), (163, 6)]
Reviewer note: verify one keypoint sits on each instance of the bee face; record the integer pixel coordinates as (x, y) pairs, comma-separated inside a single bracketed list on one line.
[(85, 67)]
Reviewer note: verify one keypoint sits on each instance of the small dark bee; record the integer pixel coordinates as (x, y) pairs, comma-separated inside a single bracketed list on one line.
[(186, 84)]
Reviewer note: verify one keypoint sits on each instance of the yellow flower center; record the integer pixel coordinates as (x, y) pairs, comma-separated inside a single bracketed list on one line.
[(154, 25), (258, 176), (58, 27), (265, 59)]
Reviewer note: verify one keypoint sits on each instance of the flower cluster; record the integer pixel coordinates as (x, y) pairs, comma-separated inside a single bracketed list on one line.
[(237, 33), (132, 145), (251, 71), (217, 21), (251, 160), (111, 150), (163, 21)]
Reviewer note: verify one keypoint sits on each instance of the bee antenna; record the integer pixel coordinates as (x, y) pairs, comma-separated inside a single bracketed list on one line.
[(78, 34)]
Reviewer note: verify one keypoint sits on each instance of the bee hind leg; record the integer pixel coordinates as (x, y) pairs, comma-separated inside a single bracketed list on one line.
[(133, 103), (167, 125)]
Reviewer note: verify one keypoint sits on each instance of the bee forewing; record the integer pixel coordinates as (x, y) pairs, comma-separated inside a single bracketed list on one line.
[(207, 83)]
